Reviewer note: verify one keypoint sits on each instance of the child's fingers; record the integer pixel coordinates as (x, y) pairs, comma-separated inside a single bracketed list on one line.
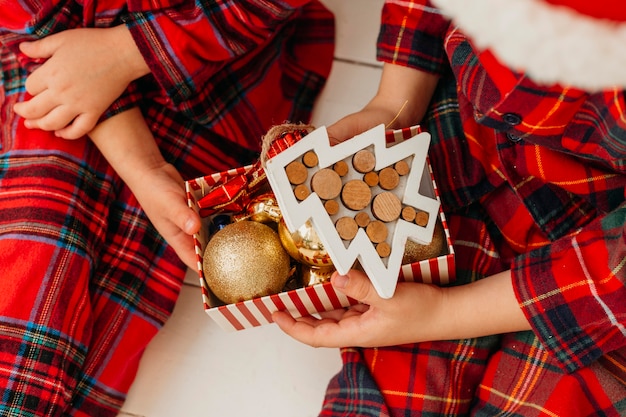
[(183, 246), (57, 118), (79, 127), (37, 106), (188, 221), (176, 213), (161, 193), (173, 229), (356, 285), (41, 48)]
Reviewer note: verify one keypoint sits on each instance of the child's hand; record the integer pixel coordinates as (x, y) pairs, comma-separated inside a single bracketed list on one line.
[(84, 72), (416, 313), (409, 316), (401, 101), (162, 196), (357, 123), (127, 143)]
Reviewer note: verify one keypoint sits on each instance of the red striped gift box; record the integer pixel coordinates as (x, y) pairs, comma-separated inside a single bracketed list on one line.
[(307, 300)]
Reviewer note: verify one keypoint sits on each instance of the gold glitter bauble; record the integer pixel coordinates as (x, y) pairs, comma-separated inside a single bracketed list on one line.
[(245, 260), (415, 252), (304, 245)]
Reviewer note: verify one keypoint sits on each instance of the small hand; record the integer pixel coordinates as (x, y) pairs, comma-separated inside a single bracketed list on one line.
[(406, 317), (356, 123), (401, 101), (162, 196), (85, 70)]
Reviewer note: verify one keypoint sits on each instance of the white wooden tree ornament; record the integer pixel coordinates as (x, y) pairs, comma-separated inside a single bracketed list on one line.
[(383, 272)]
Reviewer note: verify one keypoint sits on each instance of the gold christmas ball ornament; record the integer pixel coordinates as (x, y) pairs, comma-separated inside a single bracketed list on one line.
[(312, 275), (304, 245), (264, 209), (245, 260)]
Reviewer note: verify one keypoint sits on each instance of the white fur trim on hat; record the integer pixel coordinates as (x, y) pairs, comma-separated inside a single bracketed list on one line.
[(551, 44)]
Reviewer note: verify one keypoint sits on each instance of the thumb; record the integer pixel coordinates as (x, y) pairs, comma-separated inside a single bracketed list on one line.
[(355, 284), (42, 48), (343, 130)]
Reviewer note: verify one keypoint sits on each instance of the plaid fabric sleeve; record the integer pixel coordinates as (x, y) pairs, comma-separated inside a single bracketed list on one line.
[(129, 99), (184, 45), (573, 291), (412, 34)]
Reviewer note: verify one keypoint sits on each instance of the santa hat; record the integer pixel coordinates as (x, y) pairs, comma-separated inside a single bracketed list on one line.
[(578, 43)]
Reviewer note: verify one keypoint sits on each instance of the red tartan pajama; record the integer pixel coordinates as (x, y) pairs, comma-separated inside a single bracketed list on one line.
[(90, 282), (86, 280), (508, 375), (532, 179)]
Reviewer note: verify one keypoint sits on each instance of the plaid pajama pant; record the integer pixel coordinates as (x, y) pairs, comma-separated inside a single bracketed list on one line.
[(86, 280)]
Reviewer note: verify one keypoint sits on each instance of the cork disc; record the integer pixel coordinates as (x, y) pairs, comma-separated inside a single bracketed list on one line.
[(402, 167), (408, 213), (388, 178), (347, 228), (356, 195), (386, 207), (341, 168), (364, 161), (332, 207), (301, 192), (421, 218), (377, 231), (371, 179), (383, 249), (326, 183), (362, 219), (296, 172), (310, 159)]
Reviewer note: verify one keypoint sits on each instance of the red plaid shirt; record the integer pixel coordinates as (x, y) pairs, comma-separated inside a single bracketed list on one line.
[(531, 179), (203, 59), (549, 164)]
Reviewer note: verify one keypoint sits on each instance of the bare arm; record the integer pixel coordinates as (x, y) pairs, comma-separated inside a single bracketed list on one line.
[(128, 145), (401, 101)]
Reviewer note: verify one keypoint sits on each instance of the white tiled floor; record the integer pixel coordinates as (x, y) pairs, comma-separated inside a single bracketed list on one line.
[(193, 367)]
